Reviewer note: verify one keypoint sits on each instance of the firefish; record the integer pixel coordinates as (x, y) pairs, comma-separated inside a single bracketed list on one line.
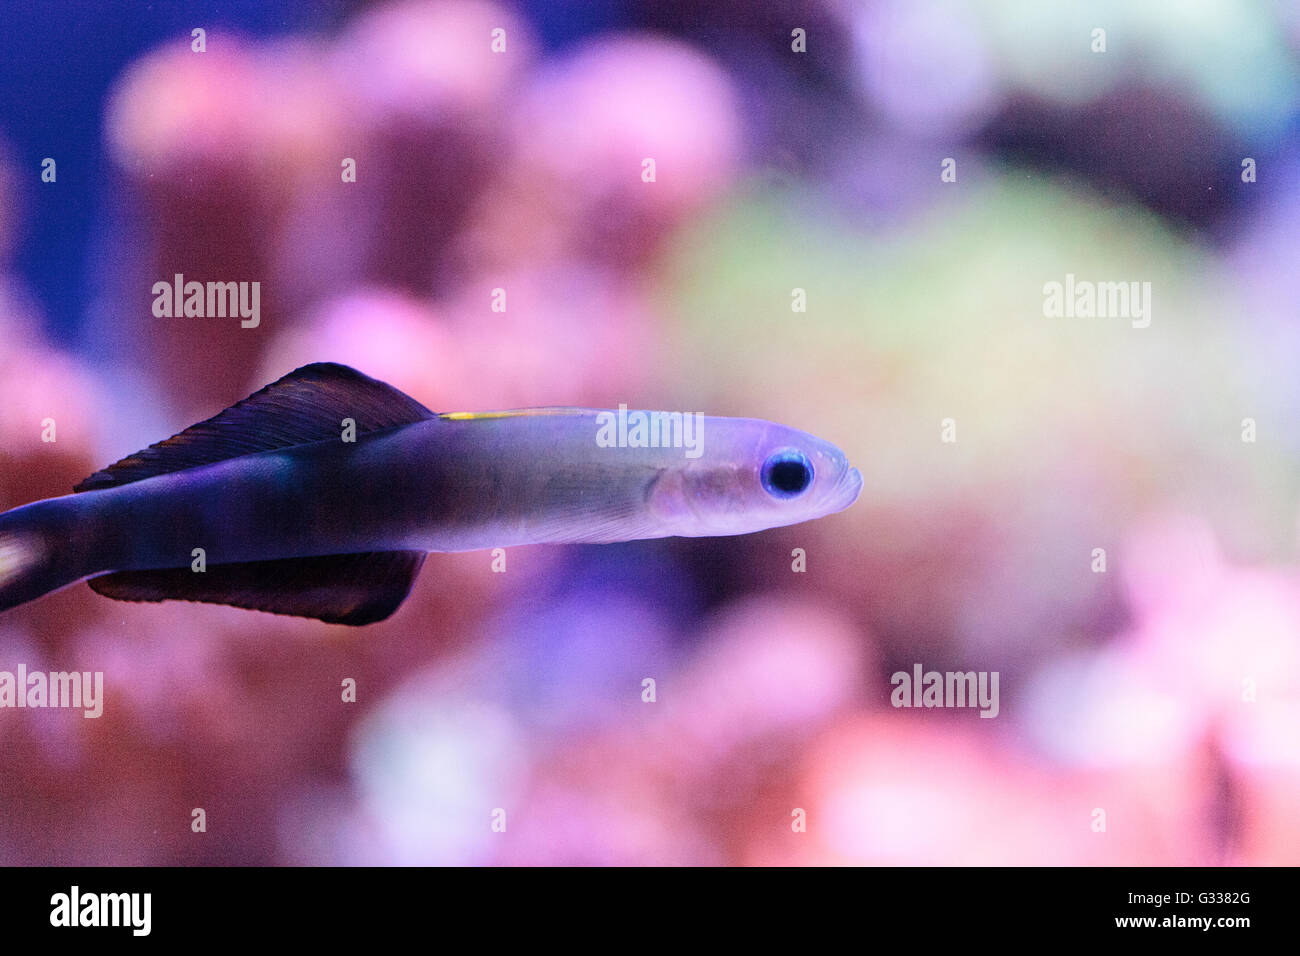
[(321, 495)]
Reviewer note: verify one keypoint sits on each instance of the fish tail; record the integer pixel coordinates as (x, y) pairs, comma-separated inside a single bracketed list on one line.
[(32, 562)]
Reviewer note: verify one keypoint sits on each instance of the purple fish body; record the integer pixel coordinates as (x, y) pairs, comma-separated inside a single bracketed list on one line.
[(320, 496)]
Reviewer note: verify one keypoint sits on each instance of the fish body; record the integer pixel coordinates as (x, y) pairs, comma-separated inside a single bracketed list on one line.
[(280, 526)]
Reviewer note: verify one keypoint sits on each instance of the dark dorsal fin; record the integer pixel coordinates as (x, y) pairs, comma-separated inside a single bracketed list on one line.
[(306, 405), (339, 588)]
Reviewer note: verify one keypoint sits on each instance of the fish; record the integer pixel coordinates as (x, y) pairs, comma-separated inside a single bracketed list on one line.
[(321, 495)]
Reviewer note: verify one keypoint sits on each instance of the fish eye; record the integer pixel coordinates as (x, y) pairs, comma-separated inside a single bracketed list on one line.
[(787, 473)]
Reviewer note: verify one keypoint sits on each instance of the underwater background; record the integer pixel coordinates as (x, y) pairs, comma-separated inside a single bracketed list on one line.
[(1114, 530)]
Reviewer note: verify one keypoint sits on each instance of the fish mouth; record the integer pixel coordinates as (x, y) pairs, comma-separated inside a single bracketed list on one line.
[(847, 489)]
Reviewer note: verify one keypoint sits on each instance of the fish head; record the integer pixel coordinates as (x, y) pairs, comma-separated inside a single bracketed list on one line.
[(753, 475)]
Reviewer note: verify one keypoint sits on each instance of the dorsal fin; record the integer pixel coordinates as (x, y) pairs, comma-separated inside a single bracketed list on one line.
[(351, 589), (307, 405)]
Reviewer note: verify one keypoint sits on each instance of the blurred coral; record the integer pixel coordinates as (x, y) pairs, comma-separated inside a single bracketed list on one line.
[(1101, 534)]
